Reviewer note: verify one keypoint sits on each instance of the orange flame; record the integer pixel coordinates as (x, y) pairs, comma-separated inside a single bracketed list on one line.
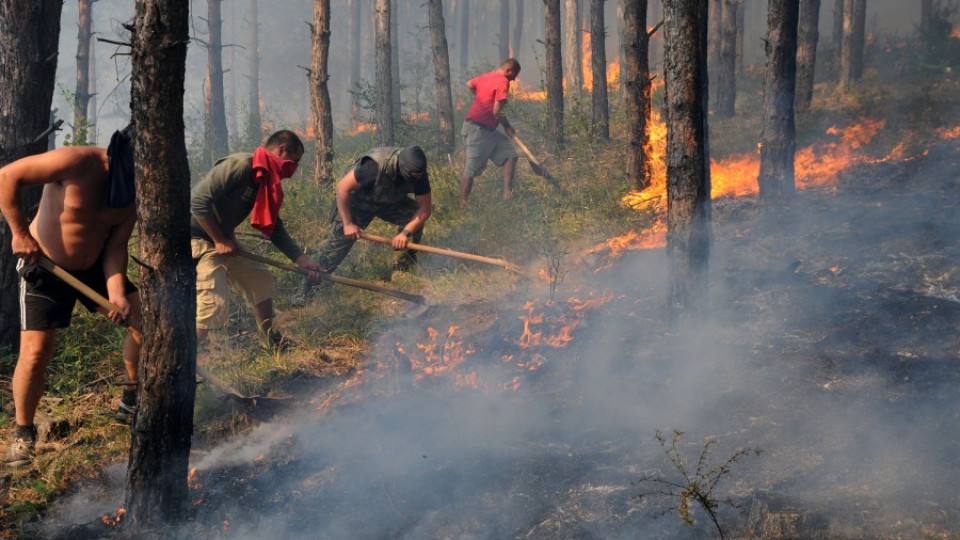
[(362, 127), (955, 34), (523, 92), (107, 520), (439, 359), (951, 133), (420, 116), (586, 58), (192, 482)]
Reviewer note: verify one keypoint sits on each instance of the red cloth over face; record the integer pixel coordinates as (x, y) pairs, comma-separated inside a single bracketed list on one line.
[(268, 170)]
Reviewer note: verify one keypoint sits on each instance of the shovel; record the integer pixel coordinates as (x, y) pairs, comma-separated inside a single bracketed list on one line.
[(449, 252), (535, 164), (419, 303), (130, 322)]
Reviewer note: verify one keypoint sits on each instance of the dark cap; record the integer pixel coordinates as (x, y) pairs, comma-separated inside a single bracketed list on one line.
[(412, 160)]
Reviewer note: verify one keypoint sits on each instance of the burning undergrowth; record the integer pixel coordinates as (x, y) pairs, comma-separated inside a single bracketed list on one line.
[(832, 347)]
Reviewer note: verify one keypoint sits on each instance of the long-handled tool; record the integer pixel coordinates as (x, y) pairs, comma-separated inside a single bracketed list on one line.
[(420, 303), (535, 164), (130, 322), (448, 252)]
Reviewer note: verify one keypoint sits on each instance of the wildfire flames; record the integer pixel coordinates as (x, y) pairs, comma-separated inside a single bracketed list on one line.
[(362, 127), (956, 32), (113, 521), (949, 133), (817, 166)]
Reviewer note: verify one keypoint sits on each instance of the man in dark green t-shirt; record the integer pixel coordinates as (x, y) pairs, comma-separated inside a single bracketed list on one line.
[(378, 185)]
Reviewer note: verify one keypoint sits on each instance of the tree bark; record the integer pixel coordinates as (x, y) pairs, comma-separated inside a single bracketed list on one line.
[(395, 81), (29, 36), (516, 41), (160, 441), (464, 37), (573, 65), (81, 97), (713, 40), (215, 126), (851, 57), (837, 36), (600, 119), (504, 34), (778, 134), (741, 29), (727, 61), (92, 105), (636, 69), (384, 73), (554, 71), (320, 94), (441, 73), (254, 122), (688, 159), (807, 37), (356, 19)]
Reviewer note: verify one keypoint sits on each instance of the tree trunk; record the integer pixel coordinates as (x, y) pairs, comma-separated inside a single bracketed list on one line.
[(215, 127), (807, 37), (600, 119), (636, 68), (554, 71), (81, 98), (356, 19), (464, 37), (858, 42), (29, 36), (837, 52), (384, 73), (441, 73), (504, 36), (395, 94), (160, 441), (741, 28), (319, 93), (688, 159), (727, 61), (92, 106), (778, 134), (516, 41), (254, 123), (713, 40), (573, 65)]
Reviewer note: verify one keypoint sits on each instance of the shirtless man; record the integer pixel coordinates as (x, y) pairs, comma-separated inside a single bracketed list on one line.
[(83, 224)]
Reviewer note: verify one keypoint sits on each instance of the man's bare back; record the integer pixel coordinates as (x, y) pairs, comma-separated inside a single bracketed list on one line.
[(73, 224)]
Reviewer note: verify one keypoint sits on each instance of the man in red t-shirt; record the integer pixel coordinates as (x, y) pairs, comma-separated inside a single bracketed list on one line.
[(481, 139)]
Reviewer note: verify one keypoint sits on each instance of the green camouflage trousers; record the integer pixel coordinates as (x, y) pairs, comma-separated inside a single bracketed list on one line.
[(336, 247)]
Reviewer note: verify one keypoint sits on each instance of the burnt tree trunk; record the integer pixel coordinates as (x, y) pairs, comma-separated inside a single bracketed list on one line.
[(81, 98), (837, 36), (92, 106), (215, 125), (600, 119), (320, 94), (441, 74), (384, 73), (807, 37), (778, 135), (573, 65), (504, 34), (516, 40), (254, 122), (727, 60), (554, 71), (688, 159), (29, 36), (356, 18), (851, 56), (636, 69), (395, 94), (160, 441)]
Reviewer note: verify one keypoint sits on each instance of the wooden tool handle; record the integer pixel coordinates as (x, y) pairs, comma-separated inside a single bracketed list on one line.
[(415, 298), (442, 251), (526, 150), (84, 289)]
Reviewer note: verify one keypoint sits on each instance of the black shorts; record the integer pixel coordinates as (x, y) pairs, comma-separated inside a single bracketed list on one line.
[(46, 301)]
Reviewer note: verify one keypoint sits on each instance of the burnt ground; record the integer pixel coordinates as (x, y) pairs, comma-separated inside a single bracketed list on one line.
[(831, 346)]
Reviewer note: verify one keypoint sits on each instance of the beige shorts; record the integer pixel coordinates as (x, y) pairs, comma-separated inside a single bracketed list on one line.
[(217, 273), (484, 144)]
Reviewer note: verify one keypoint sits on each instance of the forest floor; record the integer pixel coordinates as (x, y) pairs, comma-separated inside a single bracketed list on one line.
[(817, 398)]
